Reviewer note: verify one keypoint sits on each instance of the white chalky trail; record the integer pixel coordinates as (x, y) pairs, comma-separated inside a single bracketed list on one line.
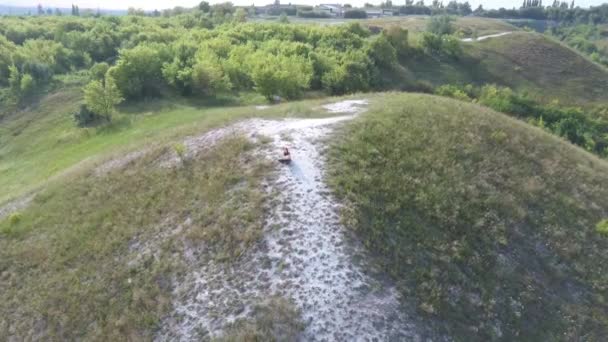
[(307, 258)]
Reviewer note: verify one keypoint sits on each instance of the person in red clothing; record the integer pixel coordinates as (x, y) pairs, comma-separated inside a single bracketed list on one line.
[(285, 156)]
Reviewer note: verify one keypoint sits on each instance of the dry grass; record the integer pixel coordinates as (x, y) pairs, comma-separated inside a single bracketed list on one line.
[(487, 223), (550, 70), (93, 258), (273, 320)]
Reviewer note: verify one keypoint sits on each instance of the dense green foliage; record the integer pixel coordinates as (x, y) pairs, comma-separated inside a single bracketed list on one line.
[(487, 224), (586, 128), (149, 57)]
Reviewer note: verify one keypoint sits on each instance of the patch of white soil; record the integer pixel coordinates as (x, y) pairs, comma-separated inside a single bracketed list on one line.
[(15, 206), (480, 38), (307, 255)]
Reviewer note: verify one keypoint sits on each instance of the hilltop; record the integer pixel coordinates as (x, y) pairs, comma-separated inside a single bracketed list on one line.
[(488, 224), (488, 211)]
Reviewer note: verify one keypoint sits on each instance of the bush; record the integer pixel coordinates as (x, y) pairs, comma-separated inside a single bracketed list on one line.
[(138, 72), (382, 52), (398, 38), (355, 14), (453, 92), (98, 71), (602, 227), (312, 14), (14, 219), (208, 77), (281, 75), (101, 98), (440, 25), (86, 118)]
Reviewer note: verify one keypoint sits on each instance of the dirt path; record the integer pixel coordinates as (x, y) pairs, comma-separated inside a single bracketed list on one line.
[(480, 38), (306, 255)]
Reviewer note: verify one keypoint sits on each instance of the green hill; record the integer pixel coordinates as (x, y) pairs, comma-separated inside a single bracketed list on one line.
[(532, 62), (466, 26), (488, 224), (523, 61)]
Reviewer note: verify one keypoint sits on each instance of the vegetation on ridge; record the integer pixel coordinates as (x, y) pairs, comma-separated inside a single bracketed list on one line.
[(487, 224)]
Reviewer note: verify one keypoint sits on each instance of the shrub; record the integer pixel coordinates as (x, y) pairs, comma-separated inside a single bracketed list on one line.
[(453, 92), (101, 98), (208, 78), (355, 14), (281, 75), (138, 71), (98, 71), (602, 227), (14, 219), (382, 52), (440, 25), (86, 118), (312, 14), (398, 38)]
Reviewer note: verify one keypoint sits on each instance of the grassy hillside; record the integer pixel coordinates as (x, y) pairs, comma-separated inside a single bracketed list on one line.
[(532, 62), (93, 257), (42, 141), (487, 223), (523, 61), (466, 26)]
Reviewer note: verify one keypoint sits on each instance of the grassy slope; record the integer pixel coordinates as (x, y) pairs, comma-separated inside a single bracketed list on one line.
[(42, 141), (533, 62), (489, 224), (464, 25), (93, 257), (526, 62)]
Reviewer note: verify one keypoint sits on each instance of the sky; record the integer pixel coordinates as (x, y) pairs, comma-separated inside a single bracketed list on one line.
[(161, 4)]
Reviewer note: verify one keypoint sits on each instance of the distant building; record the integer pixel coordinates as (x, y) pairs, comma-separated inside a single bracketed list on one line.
[(334, 10), (373, 13)]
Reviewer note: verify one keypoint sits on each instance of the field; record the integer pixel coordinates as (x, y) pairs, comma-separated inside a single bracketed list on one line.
[(489, 224)]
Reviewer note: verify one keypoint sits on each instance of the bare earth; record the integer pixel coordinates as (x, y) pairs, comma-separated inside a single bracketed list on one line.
[(306, 256)]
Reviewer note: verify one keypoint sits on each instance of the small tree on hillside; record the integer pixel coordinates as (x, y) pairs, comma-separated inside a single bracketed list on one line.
[(440, 25), (101, 98)]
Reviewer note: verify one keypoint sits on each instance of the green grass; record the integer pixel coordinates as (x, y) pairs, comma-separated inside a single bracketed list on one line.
[(464, 26), (42, 142), (543, 67), (487, 224), (526, 62), (93, 258)]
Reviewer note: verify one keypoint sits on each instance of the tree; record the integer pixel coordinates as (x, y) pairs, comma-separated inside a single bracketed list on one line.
[(382, 52), (40, 10), (440, 25), (286, 76), (138, 71), (204, 7), (101, 98), (240, 16), (99, 70), (208, 77)]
